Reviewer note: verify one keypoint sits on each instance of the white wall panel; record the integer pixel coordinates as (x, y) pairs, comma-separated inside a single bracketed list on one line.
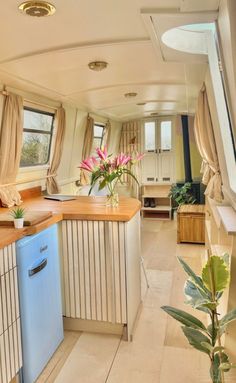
[(10, 335), (94, 270)]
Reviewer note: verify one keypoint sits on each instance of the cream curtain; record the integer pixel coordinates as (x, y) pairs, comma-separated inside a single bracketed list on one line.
[(87, 147), (107, 134), (130, 143), (60, 120), (11, 134), (205, 141)]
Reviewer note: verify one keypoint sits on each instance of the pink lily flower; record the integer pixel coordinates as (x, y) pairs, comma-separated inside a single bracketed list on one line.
[(138, 157), (121, 159), (89, 164), (102, 153)]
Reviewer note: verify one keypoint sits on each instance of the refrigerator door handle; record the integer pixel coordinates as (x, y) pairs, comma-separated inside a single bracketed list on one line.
[(38, 268)]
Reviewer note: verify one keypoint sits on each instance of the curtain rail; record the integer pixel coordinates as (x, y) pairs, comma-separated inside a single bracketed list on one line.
[(25, 181)]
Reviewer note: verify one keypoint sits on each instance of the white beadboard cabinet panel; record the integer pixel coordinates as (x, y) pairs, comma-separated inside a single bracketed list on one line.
[(10, 333), (101, 270)]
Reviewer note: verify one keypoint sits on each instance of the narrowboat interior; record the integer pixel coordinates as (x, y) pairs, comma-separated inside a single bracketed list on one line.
[(118, 191)]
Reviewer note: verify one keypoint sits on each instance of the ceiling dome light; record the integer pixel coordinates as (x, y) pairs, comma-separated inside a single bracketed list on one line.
[(130, 94), (37, 8), (97, 65)]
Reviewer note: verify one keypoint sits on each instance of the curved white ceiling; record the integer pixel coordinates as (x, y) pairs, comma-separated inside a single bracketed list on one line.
[(50, 56)]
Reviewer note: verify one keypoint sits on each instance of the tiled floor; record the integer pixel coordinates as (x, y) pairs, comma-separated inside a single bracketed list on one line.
[(159, 352)]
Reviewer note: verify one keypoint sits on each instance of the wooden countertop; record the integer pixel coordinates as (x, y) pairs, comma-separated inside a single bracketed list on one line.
[(10, 234), (82, 208), (87, 208)]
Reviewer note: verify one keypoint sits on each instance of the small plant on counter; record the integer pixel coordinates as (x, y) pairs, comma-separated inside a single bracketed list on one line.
[(203, 293), (182, 194), (18, 215), (107, 171)]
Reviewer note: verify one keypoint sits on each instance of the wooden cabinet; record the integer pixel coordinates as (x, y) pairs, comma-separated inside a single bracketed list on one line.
[(157, 197), (191, 223)]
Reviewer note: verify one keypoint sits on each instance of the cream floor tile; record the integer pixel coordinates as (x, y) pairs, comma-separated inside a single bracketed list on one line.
[(136, 362), (161, 256), (159, 352), (90, 359), (150, 329), (180, 366), (151, 225), (160, 288), (190, 250), (56, 363)]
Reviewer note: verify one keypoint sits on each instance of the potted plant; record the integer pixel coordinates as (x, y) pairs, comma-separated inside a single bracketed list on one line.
[(18, 217), (107, 171), (182, 194), (204, 293)]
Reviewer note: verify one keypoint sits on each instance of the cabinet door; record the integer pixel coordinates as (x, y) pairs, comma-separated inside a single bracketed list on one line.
[(166, 165), (191, 228), (150, 168)]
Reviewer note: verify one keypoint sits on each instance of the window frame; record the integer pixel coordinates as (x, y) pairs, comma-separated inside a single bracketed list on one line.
[(39, 131), (98, 137)]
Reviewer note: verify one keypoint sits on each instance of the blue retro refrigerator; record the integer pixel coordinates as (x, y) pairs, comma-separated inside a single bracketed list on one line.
[(40, 300)]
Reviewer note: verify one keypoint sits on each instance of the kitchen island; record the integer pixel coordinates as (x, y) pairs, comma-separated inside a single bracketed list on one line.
[(100, 253)]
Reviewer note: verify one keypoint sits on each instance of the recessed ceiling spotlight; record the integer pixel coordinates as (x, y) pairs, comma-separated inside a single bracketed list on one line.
[(130, 94), (37, 8), (97, 65), (154, 114), (141, 103)]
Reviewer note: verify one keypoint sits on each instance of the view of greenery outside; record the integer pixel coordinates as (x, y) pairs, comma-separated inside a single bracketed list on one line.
[(36, 138)]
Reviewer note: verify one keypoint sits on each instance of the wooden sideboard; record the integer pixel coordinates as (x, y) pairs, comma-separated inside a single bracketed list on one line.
[(191, 224)]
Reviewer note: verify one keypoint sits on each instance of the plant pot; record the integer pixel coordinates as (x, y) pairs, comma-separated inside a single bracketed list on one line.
[(174, 213), (18, 223)]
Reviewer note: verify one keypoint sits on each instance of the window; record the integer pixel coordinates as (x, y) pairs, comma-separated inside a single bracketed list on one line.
[(98, 133), (165, 135), (37, 137), (150, 136)]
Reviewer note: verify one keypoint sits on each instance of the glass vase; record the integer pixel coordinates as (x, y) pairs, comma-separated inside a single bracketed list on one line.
[(112, 199)]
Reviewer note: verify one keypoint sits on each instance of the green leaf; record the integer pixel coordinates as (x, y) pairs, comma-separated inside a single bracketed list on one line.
[(127, 171), (184, 318), (229, 317), (225, 367), (194, 278), (102, 184), (222, 360), (196, 339), (215, 274), (218, 349), (208, 346), (226, 259), (195, 297)]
